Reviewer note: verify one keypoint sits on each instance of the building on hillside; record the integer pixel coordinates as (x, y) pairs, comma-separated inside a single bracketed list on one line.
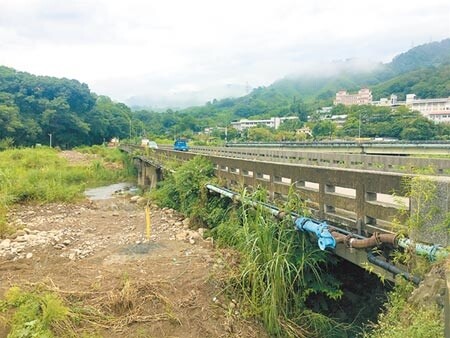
[(305, 131), (437, 109), (324, 111), (364, 96), (273, 122), (389, 102)]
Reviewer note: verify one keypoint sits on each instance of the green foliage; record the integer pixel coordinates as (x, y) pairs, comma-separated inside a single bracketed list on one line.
[(40, 175), (184, 189), (372, 121), (6, 143), (36, 314), (403, 319), (32, 107), (280, 268)]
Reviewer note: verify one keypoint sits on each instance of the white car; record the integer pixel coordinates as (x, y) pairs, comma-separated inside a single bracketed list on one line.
[(152, 145)]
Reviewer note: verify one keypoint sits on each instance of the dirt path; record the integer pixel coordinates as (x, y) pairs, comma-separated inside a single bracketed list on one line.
[(96, 253)]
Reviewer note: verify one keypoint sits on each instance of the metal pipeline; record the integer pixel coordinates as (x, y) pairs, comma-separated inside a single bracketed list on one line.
[(320, 229), (392, 268), (433, 252), (328, 236)]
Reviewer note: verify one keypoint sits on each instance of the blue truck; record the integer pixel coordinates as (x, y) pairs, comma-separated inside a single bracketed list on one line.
[(180, 145)]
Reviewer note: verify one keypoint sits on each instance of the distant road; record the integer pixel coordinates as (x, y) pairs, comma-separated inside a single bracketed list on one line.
[(366, 147)]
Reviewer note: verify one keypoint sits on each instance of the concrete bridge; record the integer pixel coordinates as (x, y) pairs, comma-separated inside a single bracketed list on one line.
[(364, 195)]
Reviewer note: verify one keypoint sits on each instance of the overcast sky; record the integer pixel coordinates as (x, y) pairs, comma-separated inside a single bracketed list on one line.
[(167, 49)]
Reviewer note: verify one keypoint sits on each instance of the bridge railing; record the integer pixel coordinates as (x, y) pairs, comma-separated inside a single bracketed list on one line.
[(364, 201), (401, 164)]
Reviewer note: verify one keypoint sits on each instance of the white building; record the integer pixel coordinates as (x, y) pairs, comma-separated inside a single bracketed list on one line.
[(364, 96), (435, 109), (273, 122)]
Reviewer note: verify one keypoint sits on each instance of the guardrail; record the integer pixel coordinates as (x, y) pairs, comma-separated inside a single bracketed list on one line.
[(401, 164), (364, 201)]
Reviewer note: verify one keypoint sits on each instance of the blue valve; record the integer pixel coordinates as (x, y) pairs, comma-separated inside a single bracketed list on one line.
[(325, 238)]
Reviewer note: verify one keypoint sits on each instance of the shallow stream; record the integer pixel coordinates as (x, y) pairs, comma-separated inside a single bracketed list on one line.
[(105, 192)]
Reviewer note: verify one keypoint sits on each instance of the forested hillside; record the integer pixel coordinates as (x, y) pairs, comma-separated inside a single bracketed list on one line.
[(32, 107), (430, 82), (423, 70)]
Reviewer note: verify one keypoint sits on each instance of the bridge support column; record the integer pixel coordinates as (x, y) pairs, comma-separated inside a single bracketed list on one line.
[(148, 174)]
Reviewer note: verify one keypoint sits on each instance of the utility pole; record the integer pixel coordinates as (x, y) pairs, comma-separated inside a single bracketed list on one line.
[(359, 127), (130, 129), (50, 139)]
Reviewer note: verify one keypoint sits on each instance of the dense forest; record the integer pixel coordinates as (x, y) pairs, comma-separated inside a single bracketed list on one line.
[(34, 107), (37, 109)]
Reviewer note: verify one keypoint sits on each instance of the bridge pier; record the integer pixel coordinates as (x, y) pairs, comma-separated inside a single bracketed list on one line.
[(149, 174)]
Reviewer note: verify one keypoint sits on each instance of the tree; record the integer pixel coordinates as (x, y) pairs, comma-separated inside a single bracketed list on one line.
[(324, 128)]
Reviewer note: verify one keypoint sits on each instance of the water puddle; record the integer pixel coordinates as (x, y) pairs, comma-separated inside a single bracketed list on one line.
[(106, 192), (141, 248)]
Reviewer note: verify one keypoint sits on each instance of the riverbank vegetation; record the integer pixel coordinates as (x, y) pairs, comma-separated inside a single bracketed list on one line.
[(279, 270), (282, 278), (41, 175)]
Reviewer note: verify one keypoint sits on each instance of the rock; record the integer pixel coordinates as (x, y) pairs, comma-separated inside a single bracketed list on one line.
[(191, 240), (6, 243), (66, 242), (134, 199), (178, 224), (194, 235), (181, 236), (29, 255), (186, 223), (20, 232), (201, 231), (21, 239), (115, 214), (141, 201)]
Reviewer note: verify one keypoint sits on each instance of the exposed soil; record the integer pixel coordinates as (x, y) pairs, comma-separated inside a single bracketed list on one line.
[(97, 253)]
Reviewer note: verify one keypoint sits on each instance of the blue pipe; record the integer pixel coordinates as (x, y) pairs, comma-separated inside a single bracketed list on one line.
[(325, 239)]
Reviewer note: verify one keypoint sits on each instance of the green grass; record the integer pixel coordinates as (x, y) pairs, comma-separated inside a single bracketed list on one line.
[(40, 175), (279, 268), (402, 319), (36, 314)]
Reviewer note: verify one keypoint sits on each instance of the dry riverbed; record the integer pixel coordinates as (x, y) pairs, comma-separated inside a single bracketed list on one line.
[(97, 253)]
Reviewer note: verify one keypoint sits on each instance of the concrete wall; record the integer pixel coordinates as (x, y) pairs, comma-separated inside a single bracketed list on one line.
[(362, 200), (404, 164)]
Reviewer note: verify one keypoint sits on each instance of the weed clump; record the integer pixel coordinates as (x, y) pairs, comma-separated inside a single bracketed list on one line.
[(40, 175), (403, 319), (36, 314), (279, 268)]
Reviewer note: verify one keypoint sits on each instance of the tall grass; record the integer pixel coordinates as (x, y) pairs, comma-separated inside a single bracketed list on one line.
[(40, 175), (279, 267), (36, 314), (403, 319)]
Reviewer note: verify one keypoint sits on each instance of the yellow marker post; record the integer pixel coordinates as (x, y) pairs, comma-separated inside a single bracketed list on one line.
[(147, 221)]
